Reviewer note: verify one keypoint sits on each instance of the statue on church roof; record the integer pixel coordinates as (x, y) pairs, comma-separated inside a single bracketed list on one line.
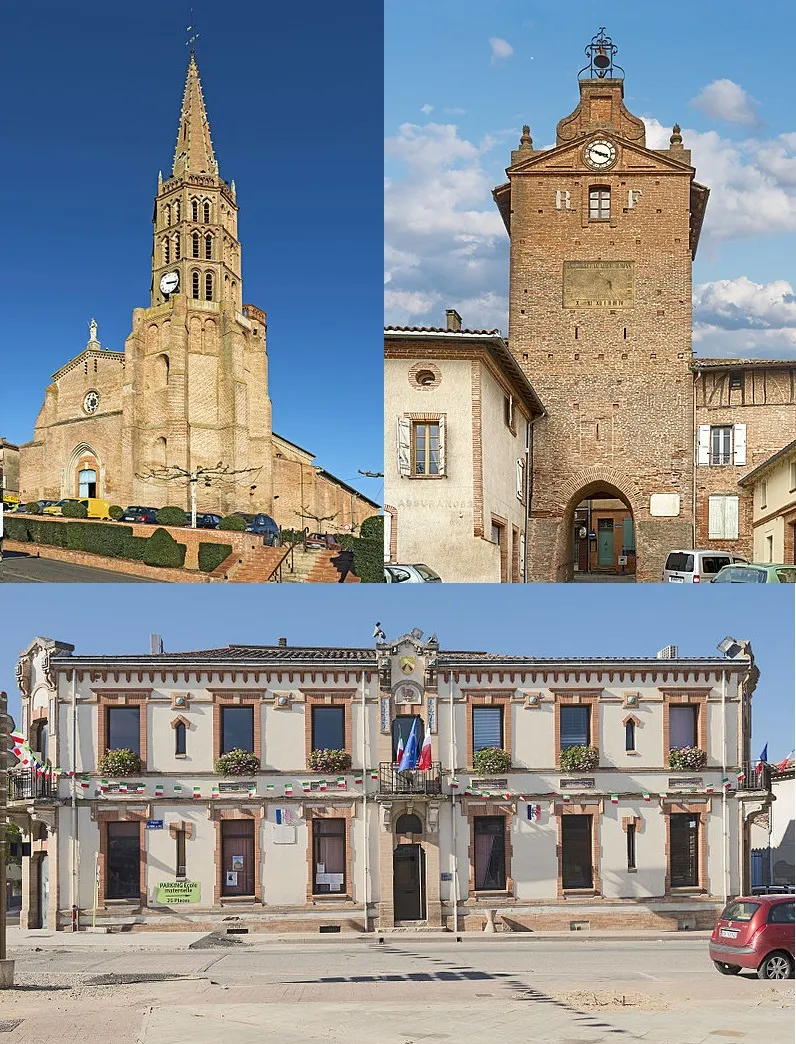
[(93, 338)]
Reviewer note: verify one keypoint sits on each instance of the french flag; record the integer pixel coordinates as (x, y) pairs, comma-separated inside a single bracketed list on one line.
[(424, 761)]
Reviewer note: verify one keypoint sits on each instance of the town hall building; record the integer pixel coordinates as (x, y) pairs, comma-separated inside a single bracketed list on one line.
[(190, 389), (634, 446)]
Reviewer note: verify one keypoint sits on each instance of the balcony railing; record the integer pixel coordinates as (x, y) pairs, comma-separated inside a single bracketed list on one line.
[(25, 784), (754, 779), (412, 781)]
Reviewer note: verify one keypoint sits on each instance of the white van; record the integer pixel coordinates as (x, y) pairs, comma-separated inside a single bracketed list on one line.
[(692, 567)]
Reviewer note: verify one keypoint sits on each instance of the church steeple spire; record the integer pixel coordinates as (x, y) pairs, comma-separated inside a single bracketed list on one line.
[(194, 151)]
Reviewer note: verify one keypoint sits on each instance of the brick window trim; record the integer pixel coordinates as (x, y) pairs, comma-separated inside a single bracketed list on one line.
[(478, 810), (502, 523), (700, 809), (573, 698), (183, 827), (345, 812), (393, 548), (138, 699), (582, 808), (488, 699), (424, 418), (324, 698), (103, 817), (686, 698), (424, 367), (251, 698), (219, 815)]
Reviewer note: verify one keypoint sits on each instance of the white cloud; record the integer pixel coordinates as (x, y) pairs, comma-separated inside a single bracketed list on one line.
[(726, 100), (427, 109), (501, 49), (737, 317)]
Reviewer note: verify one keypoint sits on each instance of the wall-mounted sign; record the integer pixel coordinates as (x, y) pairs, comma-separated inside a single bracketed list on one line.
[(445, 876), (169, 893), (154, 824), (431, 713), (385, 714), (575, 784), (489, 784), (232, 878), (683, 781), (236, 788)]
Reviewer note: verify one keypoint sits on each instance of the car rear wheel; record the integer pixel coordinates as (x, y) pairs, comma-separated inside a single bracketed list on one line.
[(727, 969), (777, 965)]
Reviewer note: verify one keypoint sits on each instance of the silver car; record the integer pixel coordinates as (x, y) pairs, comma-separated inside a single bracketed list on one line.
[(412, 574), (695, 566)]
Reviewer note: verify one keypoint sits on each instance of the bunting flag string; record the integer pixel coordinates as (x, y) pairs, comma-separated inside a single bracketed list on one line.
[(288, 789), (158, 790)]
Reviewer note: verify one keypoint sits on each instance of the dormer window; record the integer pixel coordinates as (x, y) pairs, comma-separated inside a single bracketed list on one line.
[(599, 203)]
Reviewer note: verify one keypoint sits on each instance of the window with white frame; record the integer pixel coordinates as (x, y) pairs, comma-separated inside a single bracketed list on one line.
[(721, 444), (599, 203), (421, 447), (723, 517)]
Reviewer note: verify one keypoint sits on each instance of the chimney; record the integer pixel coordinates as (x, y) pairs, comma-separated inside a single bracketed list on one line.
[(669, 653), (282, 643), (155, 644), (454, 320)]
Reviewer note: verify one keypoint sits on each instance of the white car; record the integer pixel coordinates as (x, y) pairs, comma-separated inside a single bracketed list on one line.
[(411, 574)]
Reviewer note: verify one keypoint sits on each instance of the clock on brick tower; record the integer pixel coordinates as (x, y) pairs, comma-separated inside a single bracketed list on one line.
[(603, 231)]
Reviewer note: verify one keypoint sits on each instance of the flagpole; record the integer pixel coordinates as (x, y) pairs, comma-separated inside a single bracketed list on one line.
[(454, 874), (364, 803), (74, 881)]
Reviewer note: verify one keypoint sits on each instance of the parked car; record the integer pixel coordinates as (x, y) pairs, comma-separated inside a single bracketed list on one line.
[(138, 514), (756, 573), (323, 540), (206, 520), (264, 526), (56, 507), (692, 567), (755, 932), (412, 574), (95, 506)]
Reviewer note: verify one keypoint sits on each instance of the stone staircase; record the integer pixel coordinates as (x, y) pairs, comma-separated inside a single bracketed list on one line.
[(314, 567), (259, 565)]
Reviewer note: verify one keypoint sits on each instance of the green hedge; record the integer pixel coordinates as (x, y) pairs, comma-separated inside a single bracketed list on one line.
[(136, 548), (74, 509), (115, 512), (172, 516), (368, 557), (163, 550), (212, 555), (373, 528), (233, 522), (33, 508)]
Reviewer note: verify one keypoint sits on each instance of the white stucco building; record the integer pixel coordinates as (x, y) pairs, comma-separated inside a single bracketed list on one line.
[(621, 839)]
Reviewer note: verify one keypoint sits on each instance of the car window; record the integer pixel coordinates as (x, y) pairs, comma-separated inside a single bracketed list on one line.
[(781, 913), (399, 575), (713, 563), (739, 911), (675, 561), (786, 576), (426, 573)]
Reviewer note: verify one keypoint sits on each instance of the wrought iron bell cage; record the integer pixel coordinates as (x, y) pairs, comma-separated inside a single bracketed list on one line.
[(600, 53)]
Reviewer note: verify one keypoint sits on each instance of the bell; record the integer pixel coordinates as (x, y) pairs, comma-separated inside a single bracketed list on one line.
[(601, 59)]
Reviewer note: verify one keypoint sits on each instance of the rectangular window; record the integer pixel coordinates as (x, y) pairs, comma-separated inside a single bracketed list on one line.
[(574, 726), (736, 379), (792, 477), (425, 448), (123, 861), (631, 847), (576, 864), (599, 204), (237, 729), (328, 728), (682, 727), (490, 853), (721, 445), (723, 517), (630, 735), (763, 493), (180, 839), (179, 737), (683, 850), (237, 857), (487, 727), (328, 855), (123, 729)]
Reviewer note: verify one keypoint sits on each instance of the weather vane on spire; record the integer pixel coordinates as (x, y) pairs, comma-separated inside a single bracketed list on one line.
[(191, 39)]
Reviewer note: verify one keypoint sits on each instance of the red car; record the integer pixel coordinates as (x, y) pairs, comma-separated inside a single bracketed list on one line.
[(755, 932)]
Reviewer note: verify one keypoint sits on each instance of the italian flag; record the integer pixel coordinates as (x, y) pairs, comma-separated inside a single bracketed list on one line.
[(566, 798), (305, 786), (709, 788), (103, 785), (507, 797), (358, 780), (214, 791), (454, 783), (645, 796), (614, 799), (253, 791), (486, 794), (323, 785), (178, 788), (197, 792), (524, 798), (289, 789), (725, 783), (140, 788), (158, 790), (374, 774), (341, 784), (269, 787), (741, 776), (122, 788), (424, 761), (399, 753), (85, 783)]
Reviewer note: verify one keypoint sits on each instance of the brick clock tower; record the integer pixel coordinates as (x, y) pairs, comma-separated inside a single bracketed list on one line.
[(603, 233), (195, 390)]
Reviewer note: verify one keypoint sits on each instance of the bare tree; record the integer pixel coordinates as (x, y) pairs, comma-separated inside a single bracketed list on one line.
[(217, 473)]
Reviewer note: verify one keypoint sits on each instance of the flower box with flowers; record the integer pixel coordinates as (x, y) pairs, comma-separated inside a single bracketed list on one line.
[(687, 759)]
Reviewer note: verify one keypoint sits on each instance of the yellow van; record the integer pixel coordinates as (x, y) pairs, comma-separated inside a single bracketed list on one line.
[(95, 507)]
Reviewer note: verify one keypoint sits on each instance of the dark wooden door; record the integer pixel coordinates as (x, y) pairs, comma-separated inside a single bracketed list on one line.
[(409, 884)]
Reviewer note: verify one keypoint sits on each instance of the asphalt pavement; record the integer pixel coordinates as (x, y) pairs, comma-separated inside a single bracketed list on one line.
[(16, 567)]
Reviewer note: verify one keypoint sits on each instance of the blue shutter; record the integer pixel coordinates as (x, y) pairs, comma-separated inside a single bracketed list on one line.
[(574, 727), (487, 727)]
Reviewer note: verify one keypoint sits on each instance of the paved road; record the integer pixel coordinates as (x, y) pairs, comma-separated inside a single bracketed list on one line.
[(19, 568), (400, 992)]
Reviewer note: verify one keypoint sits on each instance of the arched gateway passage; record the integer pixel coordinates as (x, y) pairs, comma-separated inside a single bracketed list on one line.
[(600, 530)]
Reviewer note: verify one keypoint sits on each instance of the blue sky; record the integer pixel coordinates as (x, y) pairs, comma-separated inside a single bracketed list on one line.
[(542, 620), (479, 71), (92, 94)]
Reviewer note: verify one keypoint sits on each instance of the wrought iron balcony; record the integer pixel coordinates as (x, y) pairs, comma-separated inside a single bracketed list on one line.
[(412, 781), (26, 785), (757, 776)]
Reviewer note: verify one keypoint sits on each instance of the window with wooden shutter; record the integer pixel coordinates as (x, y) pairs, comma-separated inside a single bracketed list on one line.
[(404, 442), (487, 727), (703, 450), (739, 444), (723, 517), (441, 447)]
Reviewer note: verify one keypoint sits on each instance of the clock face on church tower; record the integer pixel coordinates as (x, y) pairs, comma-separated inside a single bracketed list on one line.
[(91, 402), (600, 155)]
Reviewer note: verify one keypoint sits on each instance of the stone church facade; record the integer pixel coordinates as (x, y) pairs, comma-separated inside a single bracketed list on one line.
[(603, 234), (190, 389)]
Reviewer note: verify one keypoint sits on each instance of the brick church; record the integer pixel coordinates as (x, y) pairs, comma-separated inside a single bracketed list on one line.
[(190, 389), (636, 447)]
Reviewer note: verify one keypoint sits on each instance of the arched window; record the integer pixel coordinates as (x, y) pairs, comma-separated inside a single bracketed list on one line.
[(599, 203), (179, 737), (208, 247), (195, 240), (166, 250), (206, 212), (194, 210), (208, 286), (177, 247), (167, 215), (195, 285), (630, 735), (177, 210), (409, 823)]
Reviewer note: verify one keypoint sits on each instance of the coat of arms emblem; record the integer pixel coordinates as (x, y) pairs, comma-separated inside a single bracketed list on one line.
[(407, 664)]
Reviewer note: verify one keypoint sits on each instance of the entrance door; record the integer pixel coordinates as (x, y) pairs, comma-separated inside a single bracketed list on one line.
[(87, 482), (605, 542), (409, 883), (237, 857)]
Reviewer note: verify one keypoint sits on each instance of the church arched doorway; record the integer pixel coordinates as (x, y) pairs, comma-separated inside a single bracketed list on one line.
[(601, 530), (87, 482), (83, 476)]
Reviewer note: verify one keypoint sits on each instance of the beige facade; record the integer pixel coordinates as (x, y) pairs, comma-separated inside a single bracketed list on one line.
[(626, 842), (9, 467), (771, 491), (460, 504), (190, 389)]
